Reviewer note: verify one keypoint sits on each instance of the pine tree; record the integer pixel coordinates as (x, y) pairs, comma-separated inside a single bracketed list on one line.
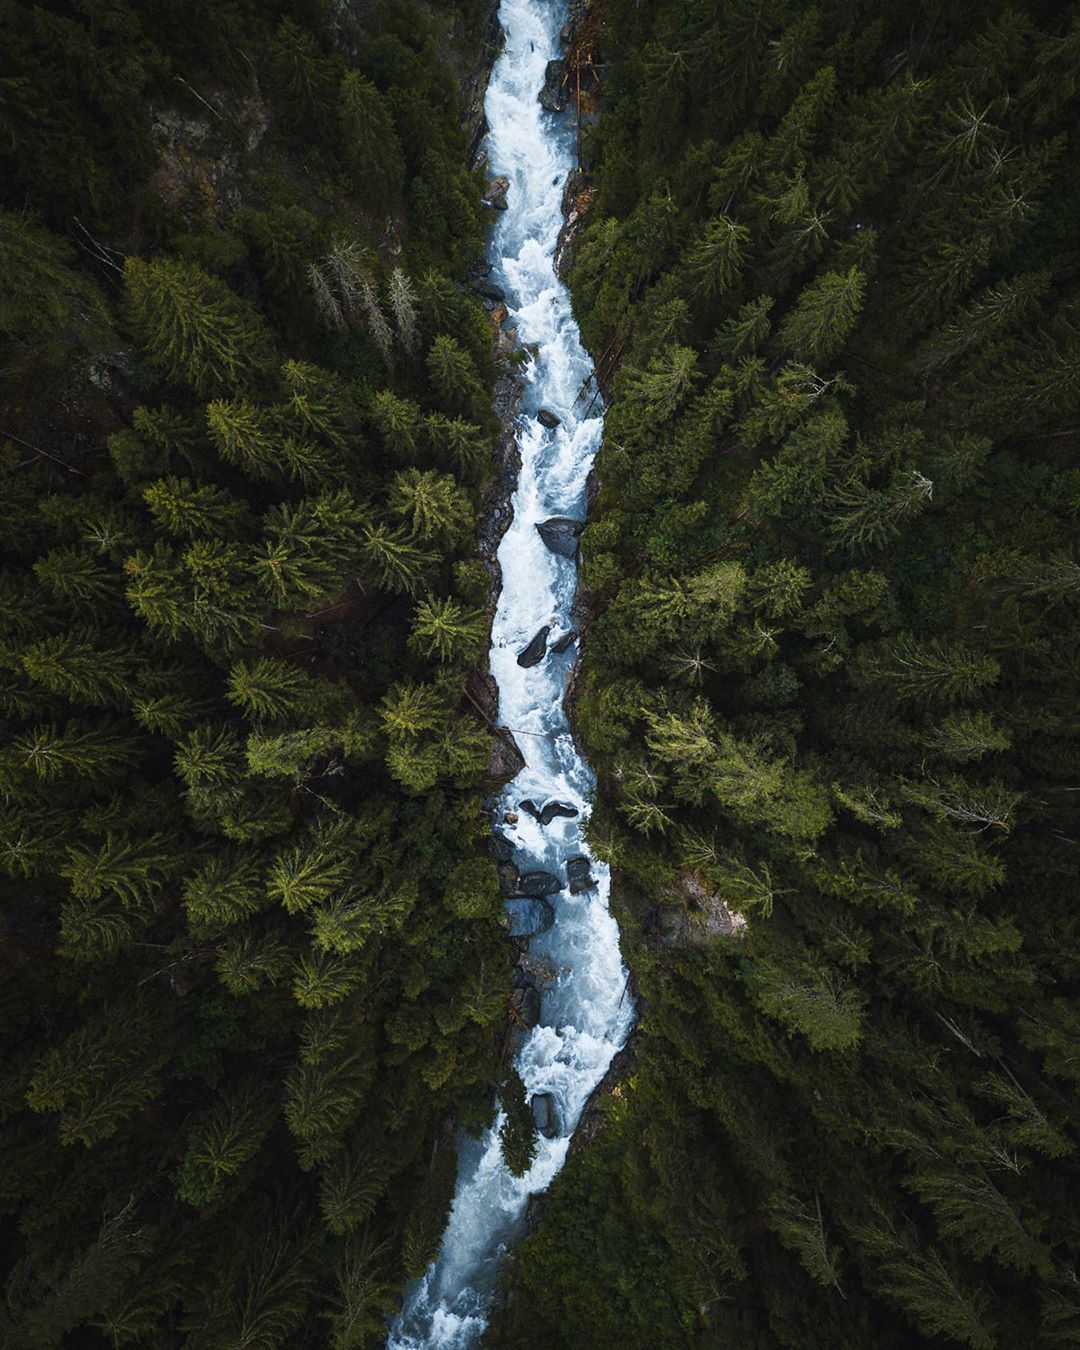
[(301, 71), (319, 408), (433, 505), (76, 666), (370, 145), (937, 670), (864, 517), (223, 892), (350, 1187), (194, 327), (248, 961), (397, 562), (223, 1140), (403, 301), (101, 1072), (322, 979), (447, 630), (50, 751), (824, 316), (308, 549), (308, 872), (168, 430), (322, 1100), (131, 869), (801, 1227), (715, 260), (75, 577), (187, 512), (244, 436), (667, 383), (517, 1134), (454, 376), (267, 689)]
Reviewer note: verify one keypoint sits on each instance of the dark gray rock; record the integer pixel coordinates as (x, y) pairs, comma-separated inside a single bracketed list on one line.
[(526, 917), (548, 419), (561, 535), (506, 760), (520, 977), (501, 848), (560, 644), (545, 1114), (538, 883), (554, 95), (578, 875), (525, 1001), (508, 878), (535, 652), (549, 812), (496, 193)]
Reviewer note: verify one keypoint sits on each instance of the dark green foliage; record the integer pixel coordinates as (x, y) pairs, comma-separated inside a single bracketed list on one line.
[(254, 969), (830, 684), (517, 1136)]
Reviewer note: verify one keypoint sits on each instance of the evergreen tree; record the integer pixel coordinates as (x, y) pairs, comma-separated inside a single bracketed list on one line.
[(194, 327)]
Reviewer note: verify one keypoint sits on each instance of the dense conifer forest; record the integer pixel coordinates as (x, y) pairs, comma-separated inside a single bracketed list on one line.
[(253, 964), (830, 686), (255, 971)]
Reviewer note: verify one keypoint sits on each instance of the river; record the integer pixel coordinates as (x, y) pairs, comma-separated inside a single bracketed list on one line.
[(587, 1013)]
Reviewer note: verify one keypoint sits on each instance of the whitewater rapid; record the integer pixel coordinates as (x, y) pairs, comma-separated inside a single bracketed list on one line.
[(586, 1014)]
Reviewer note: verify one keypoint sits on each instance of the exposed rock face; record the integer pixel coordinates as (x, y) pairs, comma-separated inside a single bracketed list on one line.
[(579, 877), (506, 760), (472, 69), (540, 971), (527, 917), (578, 197), (535, 652), (555, 95), (700, 917), (546, 418), (545, 1114), (500, 848), (560, 644), (546, 815), (508, 878), (560, 534), (538, 883), (525, 1002), (497, 189)]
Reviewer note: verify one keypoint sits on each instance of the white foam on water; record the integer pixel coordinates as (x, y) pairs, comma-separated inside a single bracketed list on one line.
[(587, 1014)]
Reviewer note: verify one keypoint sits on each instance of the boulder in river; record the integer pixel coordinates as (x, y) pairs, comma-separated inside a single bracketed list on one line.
[(546, 418), (545, 1114), (554, 94), (538, 883), (560, 533), (501, 848), (526, 917), (535, 652), (561, 643), (548, 813), (508, 878), (497, 189), (578, 875), (506, 760)]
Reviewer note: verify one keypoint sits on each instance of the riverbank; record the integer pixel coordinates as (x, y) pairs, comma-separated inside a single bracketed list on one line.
[(573, 1010)]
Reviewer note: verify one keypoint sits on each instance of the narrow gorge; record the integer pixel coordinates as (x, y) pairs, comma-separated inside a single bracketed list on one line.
[(558, 909)]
